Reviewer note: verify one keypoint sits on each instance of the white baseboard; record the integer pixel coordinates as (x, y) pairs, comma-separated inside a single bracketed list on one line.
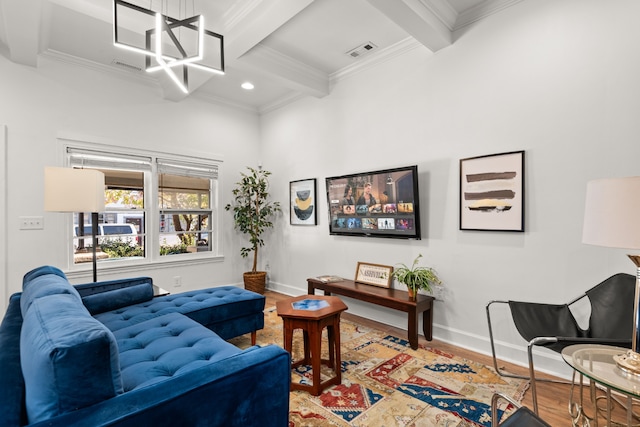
[(284, 289), (545, 361)]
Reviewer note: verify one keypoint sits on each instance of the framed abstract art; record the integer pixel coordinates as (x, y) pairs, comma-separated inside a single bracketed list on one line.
[(492, 192), (302, 195)]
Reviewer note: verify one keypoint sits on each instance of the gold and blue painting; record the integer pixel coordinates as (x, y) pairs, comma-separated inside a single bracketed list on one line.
[(492, 192), (303, 202)]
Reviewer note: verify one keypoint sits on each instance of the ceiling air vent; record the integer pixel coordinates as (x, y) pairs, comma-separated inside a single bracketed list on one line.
[(126, 66), (361, 50)]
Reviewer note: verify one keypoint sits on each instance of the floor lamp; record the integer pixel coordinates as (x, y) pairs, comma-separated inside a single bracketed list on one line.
[(612, 219), (76, 190)]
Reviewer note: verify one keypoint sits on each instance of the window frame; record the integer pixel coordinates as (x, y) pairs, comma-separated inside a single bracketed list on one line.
[(188, 170), (152, 209)]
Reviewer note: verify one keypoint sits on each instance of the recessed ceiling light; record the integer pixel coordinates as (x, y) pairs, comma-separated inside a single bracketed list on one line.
[(247, 85)]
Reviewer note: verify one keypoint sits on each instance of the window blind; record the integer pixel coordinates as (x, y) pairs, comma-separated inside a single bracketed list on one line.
[(79, 157), (195, 170)]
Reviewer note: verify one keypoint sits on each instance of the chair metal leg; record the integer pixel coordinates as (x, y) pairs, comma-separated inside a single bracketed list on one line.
[(521, 417), (495, 401), (493, 348), (541, 341), (531, 377)]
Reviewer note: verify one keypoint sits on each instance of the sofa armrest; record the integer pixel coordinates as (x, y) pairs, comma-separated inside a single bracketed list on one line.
[(87, 289), (247, 389), (112, 295), (12, 388)]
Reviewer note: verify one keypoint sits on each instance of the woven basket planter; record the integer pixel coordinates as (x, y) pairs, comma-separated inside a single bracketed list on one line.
[(255, 282)]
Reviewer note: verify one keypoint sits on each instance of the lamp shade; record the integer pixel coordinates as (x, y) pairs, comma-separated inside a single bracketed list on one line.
[(73, 190), (612, 213)]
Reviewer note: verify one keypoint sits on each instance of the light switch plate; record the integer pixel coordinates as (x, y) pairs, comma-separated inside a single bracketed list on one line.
[(31, 223)]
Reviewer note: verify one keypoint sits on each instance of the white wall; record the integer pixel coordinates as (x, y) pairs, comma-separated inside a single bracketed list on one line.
[(64, 100), (558, 79), (3, 214)]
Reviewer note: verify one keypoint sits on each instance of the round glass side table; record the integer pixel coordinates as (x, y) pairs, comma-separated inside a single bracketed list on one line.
[(620, 387)]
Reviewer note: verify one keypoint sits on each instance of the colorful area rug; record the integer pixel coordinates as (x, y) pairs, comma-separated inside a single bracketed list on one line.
[(386, 383)]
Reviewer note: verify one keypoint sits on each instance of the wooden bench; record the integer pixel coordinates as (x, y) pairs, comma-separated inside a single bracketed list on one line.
[(386, 297)]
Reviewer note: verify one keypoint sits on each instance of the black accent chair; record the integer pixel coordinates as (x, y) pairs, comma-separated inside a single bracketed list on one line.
[(553, 325), (522, 417)]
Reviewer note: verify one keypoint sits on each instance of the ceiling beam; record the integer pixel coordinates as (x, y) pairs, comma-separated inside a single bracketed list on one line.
[(419, 20), (248, 25), (287, 71), (23, 27)]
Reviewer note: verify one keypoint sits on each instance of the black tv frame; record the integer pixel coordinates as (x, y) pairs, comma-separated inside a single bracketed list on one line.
[(396, 213)]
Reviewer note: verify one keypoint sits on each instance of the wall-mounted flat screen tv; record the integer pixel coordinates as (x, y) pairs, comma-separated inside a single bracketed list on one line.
[(382, 203)]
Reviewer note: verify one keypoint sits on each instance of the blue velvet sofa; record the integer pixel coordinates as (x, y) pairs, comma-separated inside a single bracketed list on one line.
[(111, 354)]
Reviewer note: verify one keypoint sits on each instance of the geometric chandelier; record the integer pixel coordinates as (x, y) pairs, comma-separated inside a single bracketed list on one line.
[(169, 44)]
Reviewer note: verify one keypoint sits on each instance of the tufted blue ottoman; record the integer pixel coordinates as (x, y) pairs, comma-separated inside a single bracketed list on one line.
[(228, 311)]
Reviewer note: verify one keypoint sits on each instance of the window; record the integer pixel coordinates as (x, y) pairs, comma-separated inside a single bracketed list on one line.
[(184, 199), (156, 208)]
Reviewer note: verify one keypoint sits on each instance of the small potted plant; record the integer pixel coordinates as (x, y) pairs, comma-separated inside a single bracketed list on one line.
[(252, 215), (416, 277)]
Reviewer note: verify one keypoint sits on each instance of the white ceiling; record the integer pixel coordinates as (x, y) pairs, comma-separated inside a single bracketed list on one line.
[(286, 48)]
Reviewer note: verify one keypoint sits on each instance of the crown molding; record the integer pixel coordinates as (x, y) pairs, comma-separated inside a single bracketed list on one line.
[(443, 10), (266, 52), (292, 73), (376, 59), (281, 102), (62, 57), (481, 11), (239, 11), (224, 102), (58, 56), (364, 64)]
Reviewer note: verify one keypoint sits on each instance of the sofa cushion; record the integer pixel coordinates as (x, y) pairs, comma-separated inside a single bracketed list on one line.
[(205, 306), (166, 346), (69, 360), (42, 271), (118, 298), (41, 282)]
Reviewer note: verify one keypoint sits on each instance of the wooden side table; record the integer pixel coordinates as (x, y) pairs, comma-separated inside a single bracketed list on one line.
[(386, 297), (322, 312)]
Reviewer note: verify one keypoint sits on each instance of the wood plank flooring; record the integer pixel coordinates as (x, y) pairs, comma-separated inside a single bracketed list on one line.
[(553, 398)]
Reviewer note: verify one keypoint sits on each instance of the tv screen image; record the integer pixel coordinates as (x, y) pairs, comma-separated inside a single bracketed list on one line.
[(382, 203)]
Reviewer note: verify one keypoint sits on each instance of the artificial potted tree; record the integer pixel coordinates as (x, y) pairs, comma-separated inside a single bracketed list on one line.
[(253, 214), (416, 277)]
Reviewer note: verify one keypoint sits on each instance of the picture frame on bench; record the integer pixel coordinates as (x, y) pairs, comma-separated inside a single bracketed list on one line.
[(374, 274)]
